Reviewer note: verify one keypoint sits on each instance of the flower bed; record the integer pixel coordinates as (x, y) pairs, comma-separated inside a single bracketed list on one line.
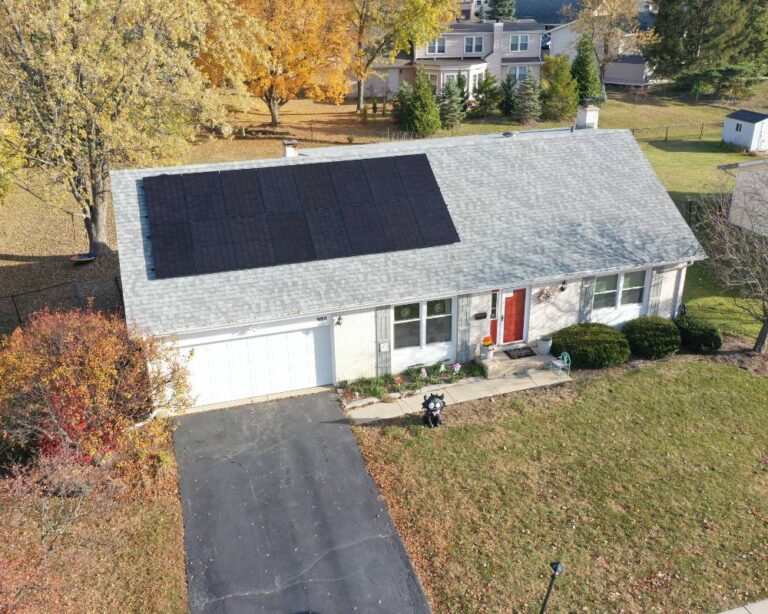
[(410, 380)]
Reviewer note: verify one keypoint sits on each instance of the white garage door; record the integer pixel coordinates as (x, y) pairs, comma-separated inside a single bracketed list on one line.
[(240, 364)]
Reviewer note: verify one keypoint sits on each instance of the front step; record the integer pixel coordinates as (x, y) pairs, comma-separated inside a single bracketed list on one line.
[(502, 365)]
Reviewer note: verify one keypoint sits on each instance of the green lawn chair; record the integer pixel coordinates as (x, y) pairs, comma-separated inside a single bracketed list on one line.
[(562, 365)]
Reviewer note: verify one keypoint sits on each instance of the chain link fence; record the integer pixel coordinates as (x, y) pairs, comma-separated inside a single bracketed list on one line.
[(105, 293)]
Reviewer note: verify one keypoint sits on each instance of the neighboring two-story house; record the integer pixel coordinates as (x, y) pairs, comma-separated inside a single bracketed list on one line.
[(469, 48)]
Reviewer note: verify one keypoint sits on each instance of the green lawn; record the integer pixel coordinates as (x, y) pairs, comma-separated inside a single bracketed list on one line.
[(651, 486)]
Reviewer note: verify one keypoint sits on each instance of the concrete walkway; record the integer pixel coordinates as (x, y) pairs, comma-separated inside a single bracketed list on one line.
[(457, 393), (761, 607)]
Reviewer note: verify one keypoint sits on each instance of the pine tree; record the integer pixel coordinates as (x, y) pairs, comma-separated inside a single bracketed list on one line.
[(585, 72), (486, 95), (415, 107), (527, 103), (501, 10), (507, 92), (698, 34), (559, 90), (451, 105), (461, 82)]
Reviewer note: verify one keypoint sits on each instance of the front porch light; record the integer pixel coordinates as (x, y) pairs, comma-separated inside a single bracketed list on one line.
[(563, 286)]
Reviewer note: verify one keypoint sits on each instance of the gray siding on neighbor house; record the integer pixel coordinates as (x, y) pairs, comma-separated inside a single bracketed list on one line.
[(463, 323), (587, 294), (383, 341)]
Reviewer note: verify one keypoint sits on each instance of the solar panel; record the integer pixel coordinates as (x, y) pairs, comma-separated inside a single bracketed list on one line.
[(203, 196), (278, 189), (166, 195), (252, 242), (315, 187), (416, 176), (242, 192), (350, 183), (290, 237), (172, 251), (212, 246), (240, 219), (383, 179), (400, 227), (434, 222), (364, 230), (328, 233)]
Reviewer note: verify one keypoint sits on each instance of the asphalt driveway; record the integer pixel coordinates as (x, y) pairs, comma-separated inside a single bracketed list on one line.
[(281, 516)]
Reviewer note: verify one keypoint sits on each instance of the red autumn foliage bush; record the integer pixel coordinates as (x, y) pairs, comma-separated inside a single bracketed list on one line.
[(80, 380)]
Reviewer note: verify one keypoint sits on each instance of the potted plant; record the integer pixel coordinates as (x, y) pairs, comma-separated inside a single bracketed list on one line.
[(488, 348), (545, 345)]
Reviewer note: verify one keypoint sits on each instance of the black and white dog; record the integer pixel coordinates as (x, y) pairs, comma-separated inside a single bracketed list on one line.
[(433, 409)]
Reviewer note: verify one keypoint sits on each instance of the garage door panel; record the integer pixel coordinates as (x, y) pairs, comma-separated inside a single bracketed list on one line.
[(232, 370)]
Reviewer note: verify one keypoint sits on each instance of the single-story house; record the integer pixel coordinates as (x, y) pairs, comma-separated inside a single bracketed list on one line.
[(349, 261), (747, 129)]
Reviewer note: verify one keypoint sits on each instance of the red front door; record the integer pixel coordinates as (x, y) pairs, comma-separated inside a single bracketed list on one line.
[(514, 316)]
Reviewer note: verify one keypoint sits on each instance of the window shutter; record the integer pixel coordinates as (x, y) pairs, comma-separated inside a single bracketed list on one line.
[(463, 350), (654, 296), (587, 294), (383, 341)]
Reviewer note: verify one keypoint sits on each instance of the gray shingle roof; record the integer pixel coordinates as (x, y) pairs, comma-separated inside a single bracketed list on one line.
[(534, 207), (744, 115), (544, 11)]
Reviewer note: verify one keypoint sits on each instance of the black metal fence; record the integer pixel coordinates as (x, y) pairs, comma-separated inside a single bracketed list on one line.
[(680, 132), (105, 293)]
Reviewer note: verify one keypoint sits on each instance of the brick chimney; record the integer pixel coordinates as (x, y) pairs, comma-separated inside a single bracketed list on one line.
[(588, 116), (290, 148)]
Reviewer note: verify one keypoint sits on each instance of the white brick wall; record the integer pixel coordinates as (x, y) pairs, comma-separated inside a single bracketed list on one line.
[(354, 346), (560, 311), (479, 328)]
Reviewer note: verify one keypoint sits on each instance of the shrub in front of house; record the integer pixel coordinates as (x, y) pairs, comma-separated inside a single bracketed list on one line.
[(592, 346), (652, 337), (699, 336)]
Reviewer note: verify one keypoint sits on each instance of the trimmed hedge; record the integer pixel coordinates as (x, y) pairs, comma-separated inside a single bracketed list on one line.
[(699, 336), (652, 337), (592, 346)]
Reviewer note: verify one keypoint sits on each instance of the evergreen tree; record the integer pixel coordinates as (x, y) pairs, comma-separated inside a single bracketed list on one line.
[(415, 107), (585, 72), (526, 105), (559, 90), (451, 105), (697, 34), (507, 93), (486, 95), (461, 82), (501, 10)]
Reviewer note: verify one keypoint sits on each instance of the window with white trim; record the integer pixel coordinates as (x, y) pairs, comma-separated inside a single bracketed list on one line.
[(436, 46), (473, 44), (519, 72), (739, 126), (611, 291), (420, 324), (476, 79), (518, 42)]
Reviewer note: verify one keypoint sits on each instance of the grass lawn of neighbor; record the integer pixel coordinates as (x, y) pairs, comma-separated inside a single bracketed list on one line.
[(649, 484)]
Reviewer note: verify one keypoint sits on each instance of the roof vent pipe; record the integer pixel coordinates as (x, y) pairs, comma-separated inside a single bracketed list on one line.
[(290, 148)]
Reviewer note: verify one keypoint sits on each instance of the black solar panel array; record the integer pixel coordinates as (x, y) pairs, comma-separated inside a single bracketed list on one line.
[(241, 219)]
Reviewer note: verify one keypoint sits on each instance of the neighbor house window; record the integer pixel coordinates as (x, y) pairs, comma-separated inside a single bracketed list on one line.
[(739, 126), (518, 42), (436, 46), (419, 324), (473, 44), (408, 325), (476, 79), (432, 81), (518, 72), (622, 289)]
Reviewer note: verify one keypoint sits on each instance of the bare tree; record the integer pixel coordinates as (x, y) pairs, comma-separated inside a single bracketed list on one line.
[(735, 231)]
